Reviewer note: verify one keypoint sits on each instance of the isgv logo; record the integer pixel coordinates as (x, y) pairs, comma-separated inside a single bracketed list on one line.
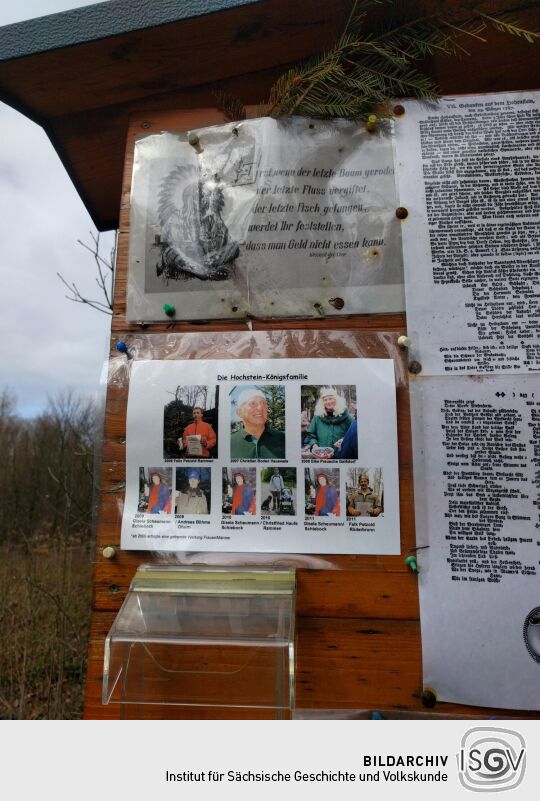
[(491, 759)]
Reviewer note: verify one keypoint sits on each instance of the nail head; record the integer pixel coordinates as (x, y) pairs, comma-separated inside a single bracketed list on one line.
[(337, 303), (428, 698)]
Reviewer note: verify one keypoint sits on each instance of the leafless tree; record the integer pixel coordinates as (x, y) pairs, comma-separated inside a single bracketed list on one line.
[(105, 276)]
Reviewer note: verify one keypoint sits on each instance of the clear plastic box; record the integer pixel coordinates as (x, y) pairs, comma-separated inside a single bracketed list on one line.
[(213, 637)]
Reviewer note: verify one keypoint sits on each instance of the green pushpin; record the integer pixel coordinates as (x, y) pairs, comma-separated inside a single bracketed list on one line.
[(411, 562), (170, 311)]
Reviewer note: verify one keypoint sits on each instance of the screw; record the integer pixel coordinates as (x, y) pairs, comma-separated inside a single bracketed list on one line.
[(234, 308), (404, 342), (109, 553), (399, 111), (402, 213), (145, 124), (114, 588), (415, 368)]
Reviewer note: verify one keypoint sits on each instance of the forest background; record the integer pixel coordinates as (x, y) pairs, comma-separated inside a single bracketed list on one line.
[(46, 509)]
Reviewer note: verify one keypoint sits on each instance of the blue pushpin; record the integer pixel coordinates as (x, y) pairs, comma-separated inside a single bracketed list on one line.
[(122, 347), (376, 716)]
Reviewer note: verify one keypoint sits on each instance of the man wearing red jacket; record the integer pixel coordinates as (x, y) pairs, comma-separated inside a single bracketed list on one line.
[(200, 429)]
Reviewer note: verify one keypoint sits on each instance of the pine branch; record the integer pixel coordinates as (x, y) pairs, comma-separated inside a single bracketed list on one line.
[(366, 69), (512, 28)]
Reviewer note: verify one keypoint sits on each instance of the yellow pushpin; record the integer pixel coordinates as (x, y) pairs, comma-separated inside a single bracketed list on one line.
[(371, 123)]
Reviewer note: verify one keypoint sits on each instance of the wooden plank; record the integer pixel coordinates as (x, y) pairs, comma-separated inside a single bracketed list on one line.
[(342, 587), (372, 664), (146, 63), (371, 589)]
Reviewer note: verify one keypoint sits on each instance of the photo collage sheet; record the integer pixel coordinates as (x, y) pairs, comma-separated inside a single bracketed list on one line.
[(262, 455)]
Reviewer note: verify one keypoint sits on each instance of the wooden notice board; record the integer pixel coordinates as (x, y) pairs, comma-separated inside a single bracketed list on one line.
[(358, 629)]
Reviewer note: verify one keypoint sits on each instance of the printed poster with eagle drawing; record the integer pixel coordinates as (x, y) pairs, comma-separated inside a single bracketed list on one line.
[(264, 218)]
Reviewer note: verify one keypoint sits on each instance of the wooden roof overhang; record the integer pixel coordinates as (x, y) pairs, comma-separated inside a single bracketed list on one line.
[(80, 74)]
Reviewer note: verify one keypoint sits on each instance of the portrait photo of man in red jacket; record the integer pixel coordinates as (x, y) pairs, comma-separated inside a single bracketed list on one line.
[(190, 423)]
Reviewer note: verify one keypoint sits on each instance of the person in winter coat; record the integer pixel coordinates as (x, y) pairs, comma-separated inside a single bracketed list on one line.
[(331, 421), (327, 499), (201, 429), (158, 496), (243, 502), (277, 485), (193, 500)]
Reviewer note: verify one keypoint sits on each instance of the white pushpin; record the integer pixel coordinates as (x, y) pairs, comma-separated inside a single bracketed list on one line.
[(404, 341)]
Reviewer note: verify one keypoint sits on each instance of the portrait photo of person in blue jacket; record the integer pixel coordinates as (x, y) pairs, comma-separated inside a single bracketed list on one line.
[(155, 490)]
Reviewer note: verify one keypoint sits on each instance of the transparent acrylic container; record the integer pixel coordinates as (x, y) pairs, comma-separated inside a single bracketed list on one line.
[(213, 637)]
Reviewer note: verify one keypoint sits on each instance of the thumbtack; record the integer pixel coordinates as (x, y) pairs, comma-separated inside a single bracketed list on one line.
[(402, 213), (399, 110), (109, 552), (376, 716), (415, 367), (404, 342), (170, 311), (121, 347), (411, 562), (371, 123)]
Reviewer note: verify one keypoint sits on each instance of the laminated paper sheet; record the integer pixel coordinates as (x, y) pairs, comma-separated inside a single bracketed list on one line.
[(477, 497), (282, 455), (468, 172), (269, 218)]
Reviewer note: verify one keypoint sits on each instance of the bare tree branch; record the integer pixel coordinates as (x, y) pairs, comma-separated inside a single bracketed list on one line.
[(104, 279)]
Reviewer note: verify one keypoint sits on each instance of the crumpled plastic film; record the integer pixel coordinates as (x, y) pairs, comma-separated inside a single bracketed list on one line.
[(283, 344)]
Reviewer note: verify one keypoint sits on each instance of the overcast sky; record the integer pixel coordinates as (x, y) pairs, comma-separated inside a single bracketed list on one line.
[(47, 343)]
